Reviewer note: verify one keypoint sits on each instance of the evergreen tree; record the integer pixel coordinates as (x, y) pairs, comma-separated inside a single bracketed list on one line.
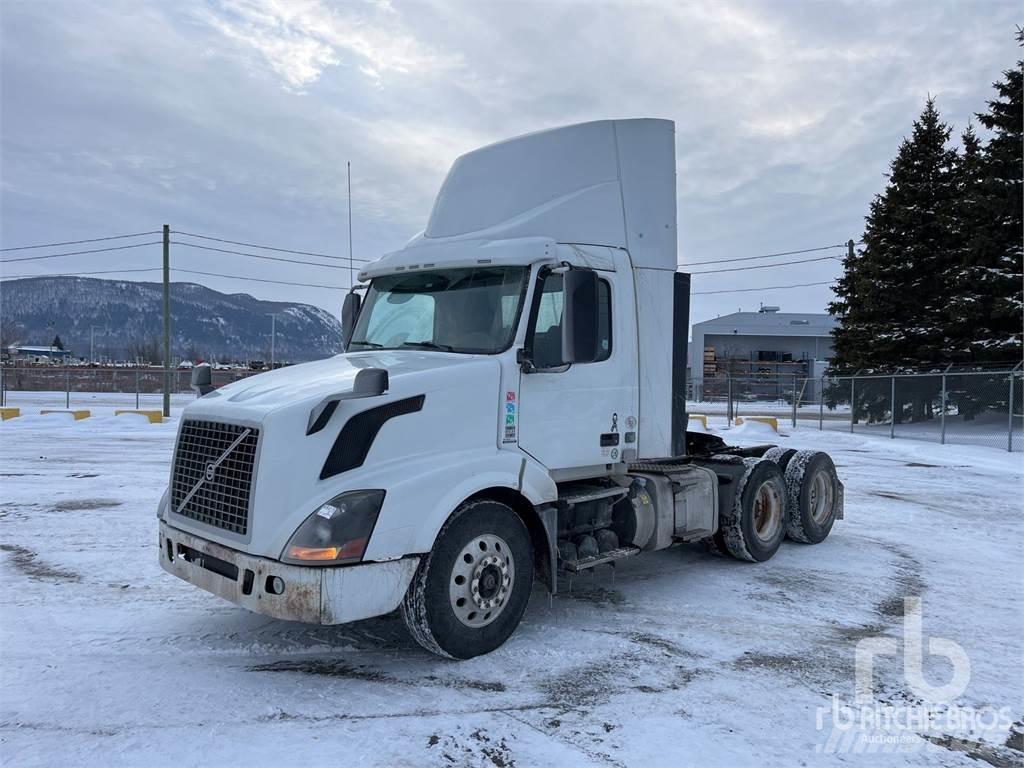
[(987, 281), (891, 303), (57, 343)]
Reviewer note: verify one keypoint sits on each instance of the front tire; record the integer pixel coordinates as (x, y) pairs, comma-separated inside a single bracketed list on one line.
[(470, 591)]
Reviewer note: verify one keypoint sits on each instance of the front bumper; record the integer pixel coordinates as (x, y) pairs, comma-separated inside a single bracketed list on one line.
[(314, 595)]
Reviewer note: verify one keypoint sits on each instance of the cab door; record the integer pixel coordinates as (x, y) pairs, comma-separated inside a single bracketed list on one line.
[(584, 414)]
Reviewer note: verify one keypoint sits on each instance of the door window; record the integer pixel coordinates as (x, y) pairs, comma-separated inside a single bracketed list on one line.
[(546, 338)]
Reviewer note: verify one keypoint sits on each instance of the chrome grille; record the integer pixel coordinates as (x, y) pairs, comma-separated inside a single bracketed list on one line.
[(222, 501)]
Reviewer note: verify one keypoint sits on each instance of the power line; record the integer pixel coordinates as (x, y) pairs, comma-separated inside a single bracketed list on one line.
[(257, 255), (77, 253), (764, 266), (78, 242), (265, 247), (765, 256), (762, 288), (260, 279)]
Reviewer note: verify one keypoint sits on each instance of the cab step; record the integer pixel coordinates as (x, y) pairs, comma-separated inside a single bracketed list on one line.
[(578, 494), (583, 563)]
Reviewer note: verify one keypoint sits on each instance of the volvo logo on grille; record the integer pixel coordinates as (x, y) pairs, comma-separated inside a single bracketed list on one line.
[(211, 471)]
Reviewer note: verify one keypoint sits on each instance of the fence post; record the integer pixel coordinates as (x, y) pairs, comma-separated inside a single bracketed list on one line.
[(136, 389), (794, 401), (1009, 429), (942, 414), (821, 404), (728, 407), (892, 410), (853, 407), (67, 387), (3, 387)]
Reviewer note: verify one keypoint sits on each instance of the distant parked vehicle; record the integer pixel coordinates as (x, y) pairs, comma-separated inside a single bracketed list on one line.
[(185, 365)]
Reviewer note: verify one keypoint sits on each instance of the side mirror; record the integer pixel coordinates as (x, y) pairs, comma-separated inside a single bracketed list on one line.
[(579, 316), (349, 313), (202, 379)]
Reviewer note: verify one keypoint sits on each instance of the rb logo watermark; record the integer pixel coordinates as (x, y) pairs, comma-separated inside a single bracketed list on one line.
[(869, 726)]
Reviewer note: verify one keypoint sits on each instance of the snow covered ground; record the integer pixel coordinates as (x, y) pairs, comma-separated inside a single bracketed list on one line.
[(680, 658)]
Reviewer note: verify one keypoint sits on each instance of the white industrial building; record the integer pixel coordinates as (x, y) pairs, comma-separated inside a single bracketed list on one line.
[(766, 343)]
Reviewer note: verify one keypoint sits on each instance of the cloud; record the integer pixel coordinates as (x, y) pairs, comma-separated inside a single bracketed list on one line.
[(237, 117), (299, 39)]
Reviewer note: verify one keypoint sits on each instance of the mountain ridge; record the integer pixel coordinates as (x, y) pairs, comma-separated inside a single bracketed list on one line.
[(127, 318)]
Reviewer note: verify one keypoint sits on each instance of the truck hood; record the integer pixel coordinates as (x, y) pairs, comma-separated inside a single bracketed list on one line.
[(458, 417), (409, 372)]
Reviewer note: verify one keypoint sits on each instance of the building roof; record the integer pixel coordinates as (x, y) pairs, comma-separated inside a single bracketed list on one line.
[(768, 324)]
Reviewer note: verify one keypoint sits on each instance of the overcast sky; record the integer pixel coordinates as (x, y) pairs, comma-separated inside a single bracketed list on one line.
[(235, 118)]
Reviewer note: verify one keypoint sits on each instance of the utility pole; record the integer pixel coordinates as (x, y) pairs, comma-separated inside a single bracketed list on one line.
[(849, 249), (273, 336), (167, 321), (348, 166)]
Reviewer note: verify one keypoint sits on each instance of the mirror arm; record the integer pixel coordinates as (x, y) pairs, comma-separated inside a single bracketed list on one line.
[(525, 363)]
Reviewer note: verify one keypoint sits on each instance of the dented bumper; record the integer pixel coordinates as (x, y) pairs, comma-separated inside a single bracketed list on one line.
[(313, 595)]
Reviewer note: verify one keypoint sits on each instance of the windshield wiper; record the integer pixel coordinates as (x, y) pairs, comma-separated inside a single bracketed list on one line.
[(372, 344), (428, 345)]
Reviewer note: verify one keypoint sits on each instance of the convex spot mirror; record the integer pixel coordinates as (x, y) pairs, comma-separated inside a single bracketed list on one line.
[(202, 379), (349, 313)]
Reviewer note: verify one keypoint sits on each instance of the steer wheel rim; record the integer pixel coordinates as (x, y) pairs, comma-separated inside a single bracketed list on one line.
[(481, 580), (821, 497), (767, 512)]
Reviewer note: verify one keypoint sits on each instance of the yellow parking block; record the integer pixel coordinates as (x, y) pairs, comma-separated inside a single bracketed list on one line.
[(155, 417), (9, 413), (701, 418), (79, 415), (771, 421)]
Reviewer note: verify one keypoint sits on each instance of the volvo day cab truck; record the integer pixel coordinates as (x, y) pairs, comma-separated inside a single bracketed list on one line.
[(510, 405)]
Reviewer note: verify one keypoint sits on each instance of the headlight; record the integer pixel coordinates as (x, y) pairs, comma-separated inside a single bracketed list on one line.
[(337, 532)]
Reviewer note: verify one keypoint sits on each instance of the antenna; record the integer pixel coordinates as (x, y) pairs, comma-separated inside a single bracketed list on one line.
[(348, 166)]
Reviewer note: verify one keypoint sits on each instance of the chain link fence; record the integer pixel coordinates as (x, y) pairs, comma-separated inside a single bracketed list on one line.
[(973, 408), (67, 387), (967, 408)]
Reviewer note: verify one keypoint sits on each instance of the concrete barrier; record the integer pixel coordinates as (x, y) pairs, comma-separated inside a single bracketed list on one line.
[(771, 421), (9, 413), (79, 415), (701, 418), (155, 417)]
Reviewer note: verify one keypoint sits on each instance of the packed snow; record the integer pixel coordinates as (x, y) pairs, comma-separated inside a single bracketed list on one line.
[(673, 658)]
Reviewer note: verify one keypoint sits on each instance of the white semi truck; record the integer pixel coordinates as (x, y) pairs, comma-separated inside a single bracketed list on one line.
[(510, 405)]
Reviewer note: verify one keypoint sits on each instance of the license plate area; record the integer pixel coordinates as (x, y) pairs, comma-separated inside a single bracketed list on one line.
[(208, 562)]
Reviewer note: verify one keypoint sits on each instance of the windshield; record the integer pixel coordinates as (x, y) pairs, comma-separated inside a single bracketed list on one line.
[(454, 310)]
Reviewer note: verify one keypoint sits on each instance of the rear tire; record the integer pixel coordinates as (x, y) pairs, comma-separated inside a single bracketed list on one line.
[(780, 456), (470, 591), (754, 527), (813, 496)]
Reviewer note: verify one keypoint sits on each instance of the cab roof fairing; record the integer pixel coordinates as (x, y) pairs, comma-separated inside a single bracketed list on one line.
[(607, 183)]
